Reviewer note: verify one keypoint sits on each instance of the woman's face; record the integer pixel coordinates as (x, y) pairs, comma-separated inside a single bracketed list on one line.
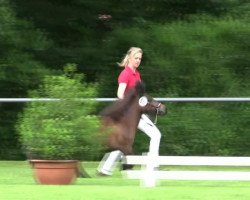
[(135, 60)]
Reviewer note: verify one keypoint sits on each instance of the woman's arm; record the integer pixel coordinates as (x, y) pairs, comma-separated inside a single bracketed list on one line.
[(121, 90)]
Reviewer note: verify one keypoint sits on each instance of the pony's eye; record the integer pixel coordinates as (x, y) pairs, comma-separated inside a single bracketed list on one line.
[(143, 101)]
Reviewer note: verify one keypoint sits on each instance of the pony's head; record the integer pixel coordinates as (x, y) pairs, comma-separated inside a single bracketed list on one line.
[(151, 106), (147, 103)]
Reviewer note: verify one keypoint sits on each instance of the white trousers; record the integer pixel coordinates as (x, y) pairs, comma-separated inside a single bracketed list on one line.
[(110, 160), (149, 128)]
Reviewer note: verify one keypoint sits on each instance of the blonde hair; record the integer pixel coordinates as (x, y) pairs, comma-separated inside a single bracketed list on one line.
[(131, 52)]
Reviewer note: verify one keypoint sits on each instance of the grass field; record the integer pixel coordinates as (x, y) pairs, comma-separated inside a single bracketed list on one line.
[(17, 183)]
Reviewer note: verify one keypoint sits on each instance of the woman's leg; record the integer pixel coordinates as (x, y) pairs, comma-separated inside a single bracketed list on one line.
[(149, 128), (109, 162)]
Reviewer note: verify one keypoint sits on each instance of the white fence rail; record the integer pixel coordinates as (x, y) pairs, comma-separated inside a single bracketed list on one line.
[(192, 99), (149, 176)]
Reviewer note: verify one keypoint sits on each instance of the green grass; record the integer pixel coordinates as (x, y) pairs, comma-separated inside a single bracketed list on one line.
[(17, 183)]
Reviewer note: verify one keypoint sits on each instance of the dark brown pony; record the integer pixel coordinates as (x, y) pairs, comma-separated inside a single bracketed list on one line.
[(121, 118)]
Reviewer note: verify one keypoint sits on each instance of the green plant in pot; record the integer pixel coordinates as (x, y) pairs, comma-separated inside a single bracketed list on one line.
[(62, 128)]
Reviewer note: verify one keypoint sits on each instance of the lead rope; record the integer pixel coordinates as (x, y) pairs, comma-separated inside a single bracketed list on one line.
[(157, 111), (156, 116)]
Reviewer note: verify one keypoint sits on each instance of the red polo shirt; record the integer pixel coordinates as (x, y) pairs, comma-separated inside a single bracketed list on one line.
[(129, 77)]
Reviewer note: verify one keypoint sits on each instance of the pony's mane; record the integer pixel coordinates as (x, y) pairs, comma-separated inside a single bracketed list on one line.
[(117, 109)]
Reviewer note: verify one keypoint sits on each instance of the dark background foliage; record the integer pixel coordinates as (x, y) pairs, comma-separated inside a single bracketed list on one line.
[(192, 48)]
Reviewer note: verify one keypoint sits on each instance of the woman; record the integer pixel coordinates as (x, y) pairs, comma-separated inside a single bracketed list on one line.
[(126, 81)]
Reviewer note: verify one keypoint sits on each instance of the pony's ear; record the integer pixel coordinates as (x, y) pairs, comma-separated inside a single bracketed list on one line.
[(140, 87)]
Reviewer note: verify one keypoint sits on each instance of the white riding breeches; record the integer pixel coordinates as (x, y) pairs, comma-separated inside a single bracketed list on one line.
[(150, 129), (110, 160)]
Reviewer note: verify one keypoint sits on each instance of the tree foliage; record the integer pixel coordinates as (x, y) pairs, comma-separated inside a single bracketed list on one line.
[(20, 71), (192, 48)]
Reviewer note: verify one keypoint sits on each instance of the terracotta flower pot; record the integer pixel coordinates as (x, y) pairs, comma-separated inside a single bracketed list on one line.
[(55, 172)]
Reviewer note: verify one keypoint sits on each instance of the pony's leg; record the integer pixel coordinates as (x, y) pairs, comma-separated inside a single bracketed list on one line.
[(128, 150), (127, 166), (109, 162), (149, 128), (81, 172)]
